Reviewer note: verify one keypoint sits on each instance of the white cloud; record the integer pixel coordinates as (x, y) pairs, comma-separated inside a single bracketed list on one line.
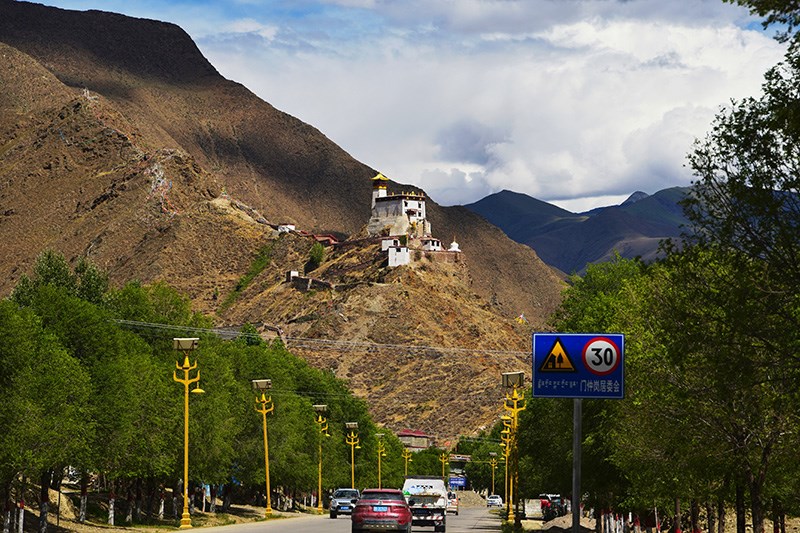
[(249, 25), (559, 99)]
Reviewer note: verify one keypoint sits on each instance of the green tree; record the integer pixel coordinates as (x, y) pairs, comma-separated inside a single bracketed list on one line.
[(745, 215), (136, 427), (780, 12), (593, 303), (316, 257), (45, 396), (86, 282)]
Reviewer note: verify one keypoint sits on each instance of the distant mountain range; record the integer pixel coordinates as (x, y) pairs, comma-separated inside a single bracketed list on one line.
[(570, 241)]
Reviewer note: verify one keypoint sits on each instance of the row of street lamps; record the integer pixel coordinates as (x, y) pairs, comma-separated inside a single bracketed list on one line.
[(264, 406), (513, 404)]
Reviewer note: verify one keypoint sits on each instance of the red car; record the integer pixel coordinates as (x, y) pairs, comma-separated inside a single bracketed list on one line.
[(381, 510)]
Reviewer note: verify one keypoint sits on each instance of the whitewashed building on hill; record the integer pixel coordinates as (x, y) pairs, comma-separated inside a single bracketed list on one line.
[(397, 214), (401, 221)]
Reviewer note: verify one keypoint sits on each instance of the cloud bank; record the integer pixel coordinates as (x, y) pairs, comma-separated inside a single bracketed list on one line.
[(576, 102)]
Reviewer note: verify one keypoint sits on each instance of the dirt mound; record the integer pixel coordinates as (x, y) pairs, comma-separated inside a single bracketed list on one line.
[(470, 498), (564, 524)]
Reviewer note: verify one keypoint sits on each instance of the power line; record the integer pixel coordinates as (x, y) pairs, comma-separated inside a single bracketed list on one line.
[(322, 344)]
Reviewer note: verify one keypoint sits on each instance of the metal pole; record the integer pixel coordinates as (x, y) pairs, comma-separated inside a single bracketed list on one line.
[(186, 519), (494, 465), (268, 510), (577, 429), (505, 485), (319, 486), (353, 465)]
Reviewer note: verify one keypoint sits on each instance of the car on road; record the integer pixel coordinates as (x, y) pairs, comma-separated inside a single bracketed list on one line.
[(381, 510), (494, 501), (452, 503), (342, 501)]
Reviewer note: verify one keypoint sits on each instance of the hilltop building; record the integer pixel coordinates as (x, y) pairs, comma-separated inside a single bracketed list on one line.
[(397, 214), (401, 221)]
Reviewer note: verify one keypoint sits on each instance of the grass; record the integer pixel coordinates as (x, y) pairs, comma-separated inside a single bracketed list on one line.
[(258, 265)]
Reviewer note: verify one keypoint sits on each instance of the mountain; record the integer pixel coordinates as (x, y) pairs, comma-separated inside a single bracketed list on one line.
[(121, 143), (570, 241)]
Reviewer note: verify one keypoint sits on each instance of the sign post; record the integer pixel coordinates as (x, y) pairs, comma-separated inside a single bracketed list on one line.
[(577, 366)]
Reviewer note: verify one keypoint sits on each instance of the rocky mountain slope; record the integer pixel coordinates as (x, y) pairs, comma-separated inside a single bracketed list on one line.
[(121, 143), (570, 241)]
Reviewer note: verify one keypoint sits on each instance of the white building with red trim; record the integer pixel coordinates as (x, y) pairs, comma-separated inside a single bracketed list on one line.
[(401, 221)]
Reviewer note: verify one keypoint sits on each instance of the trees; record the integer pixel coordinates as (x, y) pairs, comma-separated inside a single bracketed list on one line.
[(86, 282), (742, 262), (45, 397), (781, 12), (124, 415), (593, 303), (315, 257)]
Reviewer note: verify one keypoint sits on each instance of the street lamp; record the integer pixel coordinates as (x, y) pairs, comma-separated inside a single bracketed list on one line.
[(513, 403), (407, 456), (322, 422), (353, 441), (381, 453), (493, 464), (505, 438), (186, 345), (444, 459), (262, 385)]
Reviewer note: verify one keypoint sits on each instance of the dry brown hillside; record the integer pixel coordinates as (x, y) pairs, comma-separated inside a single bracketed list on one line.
[(121, 143)]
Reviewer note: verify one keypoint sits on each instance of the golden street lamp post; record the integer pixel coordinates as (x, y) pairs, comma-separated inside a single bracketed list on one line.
[(353, 441), (444, 459), (513, 403), (505, 438), (262, 385), (322, 422), (407, 456), (493, 464), (381, 453), (186, 345)]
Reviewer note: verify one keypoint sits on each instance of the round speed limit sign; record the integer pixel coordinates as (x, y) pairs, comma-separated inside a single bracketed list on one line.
[(601, 356)]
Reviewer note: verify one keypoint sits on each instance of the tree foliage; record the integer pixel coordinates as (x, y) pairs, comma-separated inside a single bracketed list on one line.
[(710, 410), (92, 369), (775, 12)]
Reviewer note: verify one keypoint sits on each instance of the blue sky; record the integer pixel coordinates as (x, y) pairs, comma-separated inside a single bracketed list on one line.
[(575, 102)]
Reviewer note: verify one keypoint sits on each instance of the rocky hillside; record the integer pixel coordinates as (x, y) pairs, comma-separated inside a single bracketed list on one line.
[(121, 143)]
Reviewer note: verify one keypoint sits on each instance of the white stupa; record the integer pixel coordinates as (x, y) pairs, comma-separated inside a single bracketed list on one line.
[(454, 246)]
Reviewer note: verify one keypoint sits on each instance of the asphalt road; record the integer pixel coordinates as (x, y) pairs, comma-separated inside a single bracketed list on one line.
[(469, 520)]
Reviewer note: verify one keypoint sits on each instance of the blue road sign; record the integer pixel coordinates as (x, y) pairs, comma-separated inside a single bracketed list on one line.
[(579, 365), (458, 481)]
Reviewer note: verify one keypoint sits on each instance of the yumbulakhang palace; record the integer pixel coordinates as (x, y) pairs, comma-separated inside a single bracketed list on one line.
[(400, 219)]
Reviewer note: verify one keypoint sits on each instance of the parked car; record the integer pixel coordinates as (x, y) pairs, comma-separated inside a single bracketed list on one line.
[(494, 501), (381, 510), (552, 506), (452, 503), (343, 501)]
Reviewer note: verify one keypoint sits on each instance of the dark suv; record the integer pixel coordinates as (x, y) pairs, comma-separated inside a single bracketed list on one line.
[(342, 501)]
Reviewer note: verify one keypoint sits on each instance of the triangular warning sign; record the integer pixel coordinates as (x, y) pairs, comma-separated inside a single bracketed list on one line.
[(557, 360)]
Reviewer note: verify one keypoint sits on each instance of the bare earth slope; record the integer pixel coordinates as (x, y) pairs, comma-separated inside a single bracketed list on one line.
[(121, 143)]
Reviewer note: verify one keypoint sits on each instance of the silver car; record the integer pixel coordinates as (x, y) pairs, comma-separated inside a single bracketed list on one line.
[(343, 501)]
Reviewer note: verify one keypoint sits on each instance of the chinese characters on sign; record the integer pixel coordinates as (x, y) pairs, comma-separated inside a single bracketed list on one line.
[(578, 365)]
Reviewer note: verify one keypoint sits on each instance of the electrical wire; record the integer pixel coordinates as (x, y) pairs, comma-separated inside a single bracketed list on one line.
[(323, 344)]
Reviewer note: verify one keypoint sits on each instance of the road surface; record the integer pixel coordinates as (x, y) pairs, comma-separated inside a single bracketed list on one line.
[(469, 520)]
